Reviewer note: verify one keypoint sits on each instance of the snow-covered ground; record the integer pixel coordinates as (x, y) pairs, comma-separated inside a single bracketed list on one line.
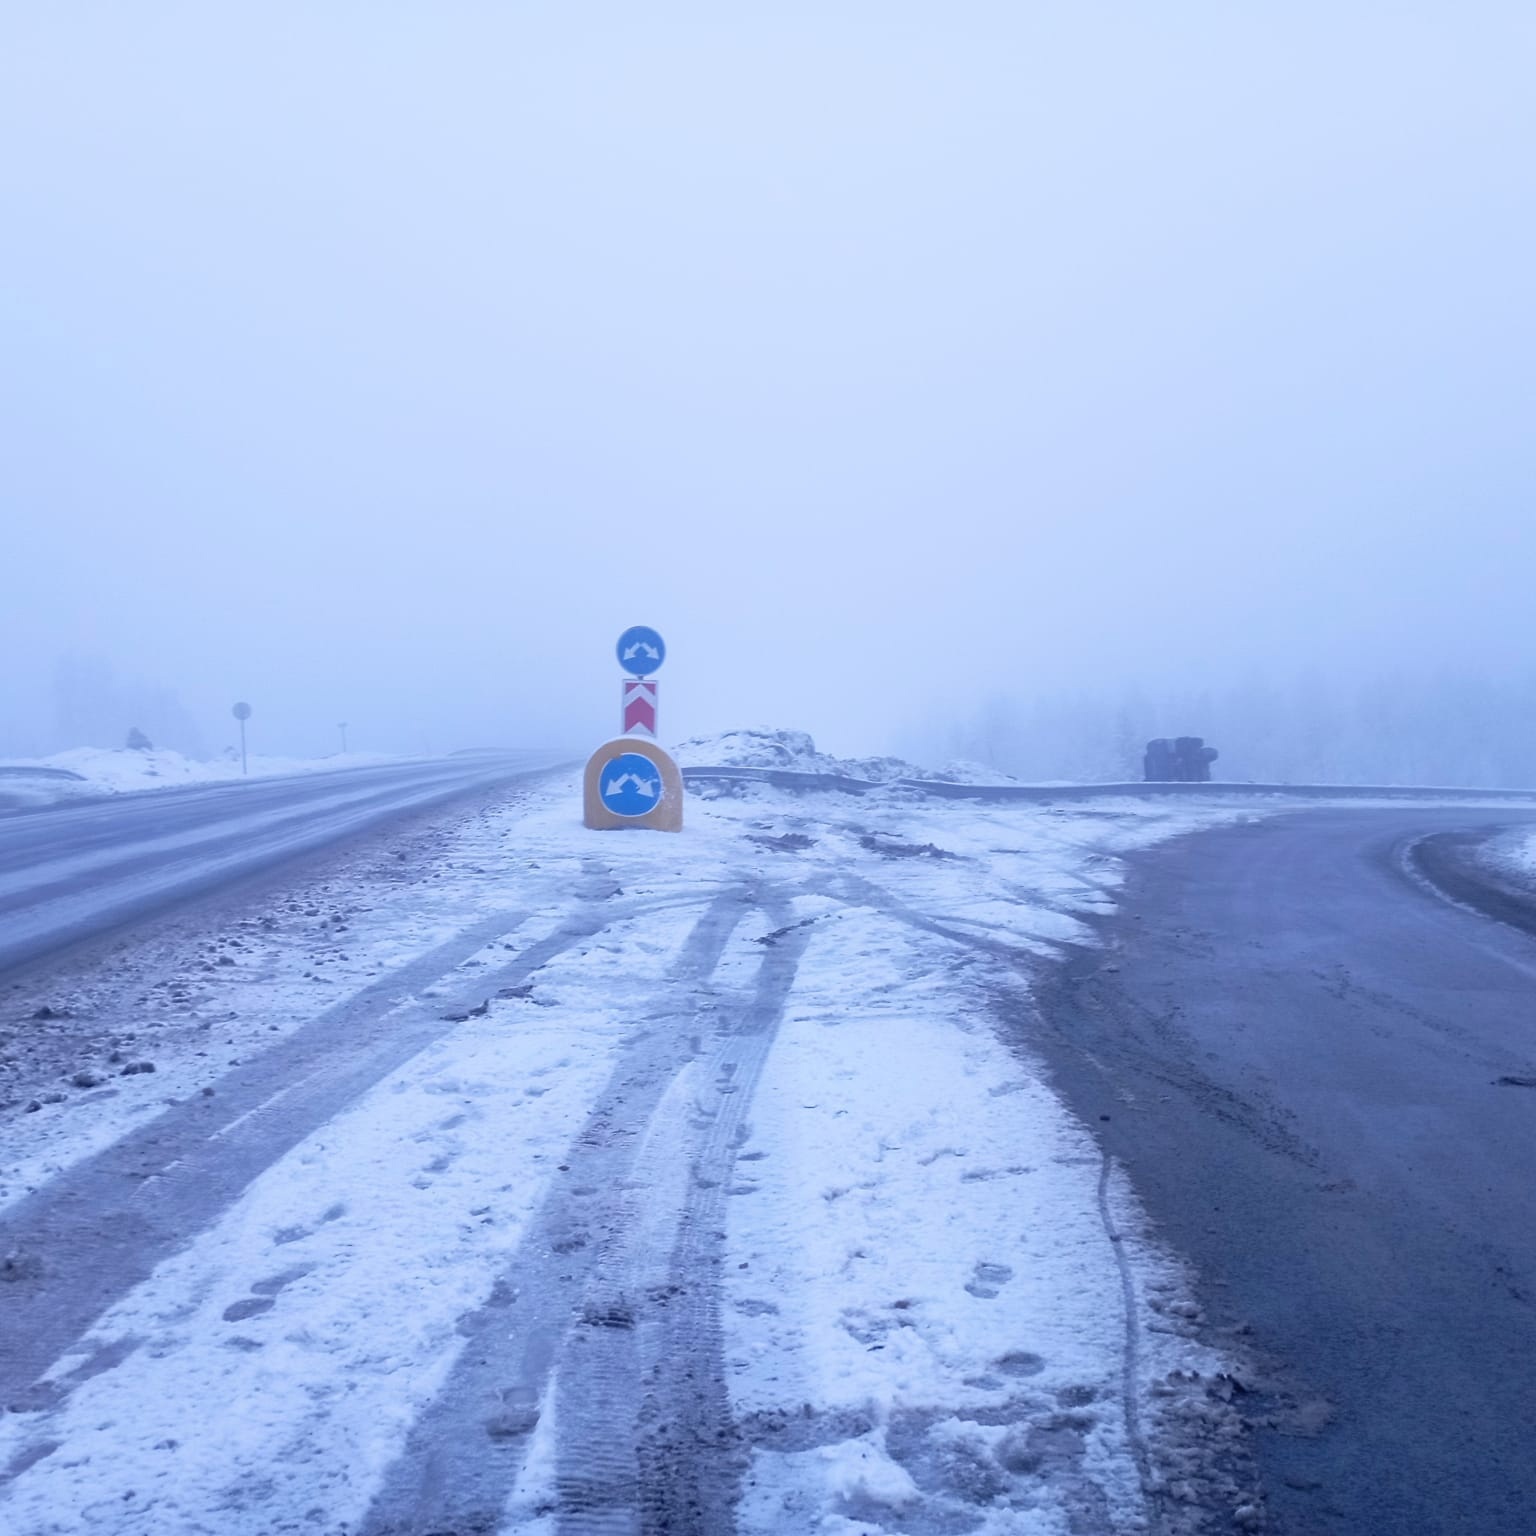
[(731, 1141), (116, 770)]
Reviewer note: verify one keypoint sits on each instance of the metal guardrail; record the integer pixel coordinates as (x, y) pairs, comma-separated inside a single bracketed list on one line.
[(784, 778), (1046, 794), (7, 771)]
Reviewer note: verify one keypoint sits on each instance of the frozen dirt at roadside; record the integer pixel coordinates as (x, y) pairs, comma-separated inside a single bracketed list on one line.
[(776, 1071), (203, 991)]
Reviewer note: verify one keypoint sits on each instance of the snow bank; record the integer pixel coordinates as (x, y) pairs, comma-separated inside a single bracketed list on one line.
[(118, 770), (796, 751)]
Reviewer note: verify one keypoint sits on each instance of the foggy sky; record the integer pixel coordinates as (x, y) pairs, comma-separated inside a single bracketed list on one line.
[(382, 362)]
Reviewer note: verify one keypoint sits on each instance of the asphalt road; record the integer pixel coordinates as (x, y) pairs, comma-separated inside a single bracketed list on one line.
[(79, 869), (1322, 1078)]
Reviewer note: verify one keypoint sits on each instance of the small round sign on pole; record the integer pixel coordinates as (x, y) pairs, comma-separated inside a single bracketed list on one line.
[(641, 650)]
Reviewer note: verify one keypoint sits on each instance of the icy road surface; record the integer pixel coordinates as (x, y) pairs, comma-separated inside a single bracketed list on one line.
[(1322, 1077), (72, 871), (519, 1178)]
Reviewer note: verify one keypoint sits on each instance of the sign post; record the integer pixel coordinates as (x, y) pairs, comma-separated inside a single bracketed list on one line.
[(631, 781), (242, 713)]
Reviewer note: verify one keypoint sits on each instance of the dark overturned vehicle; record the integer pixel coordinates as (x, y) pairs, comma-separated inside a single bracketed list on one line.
[(1179, 760)]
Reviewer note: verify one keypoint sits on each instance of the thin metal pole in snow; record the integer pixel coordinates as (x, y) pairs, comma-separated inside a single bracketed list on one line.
[(242, 713)]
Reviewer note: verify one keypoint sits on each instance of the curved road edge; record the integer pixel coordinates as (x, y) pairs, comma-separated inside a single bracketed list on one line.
[(1458, 867), (1311, 1063)]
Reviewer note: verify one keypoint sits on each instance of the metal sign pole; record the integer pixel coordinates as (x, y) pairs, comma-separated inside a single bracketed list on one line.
[(242, 713)]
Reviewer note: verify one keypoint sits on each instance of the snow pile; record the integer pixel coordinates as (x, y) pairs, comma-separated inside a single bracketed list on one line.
[(962, 771), (796, 752), (118, 770)]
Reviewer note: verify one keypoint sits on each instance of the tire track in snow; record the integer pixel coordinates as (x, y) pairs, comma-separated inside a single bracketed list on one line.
[(856, 891), (91, 1235), (464, 1455), (667, 1458), (1130, 1368)]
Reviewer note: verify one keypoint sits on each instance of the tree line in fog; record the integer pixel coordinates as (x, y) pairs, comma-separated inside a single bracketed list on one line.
[(1453, 729)]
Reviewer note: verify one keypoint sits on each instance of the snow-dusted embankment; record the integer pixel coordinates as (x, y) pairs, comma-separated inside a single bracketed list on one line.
[(85, 771)]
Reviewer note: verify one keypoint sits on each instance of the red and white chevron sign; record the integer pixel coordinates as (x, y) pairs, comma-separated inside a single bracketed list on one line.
[(639, 708)]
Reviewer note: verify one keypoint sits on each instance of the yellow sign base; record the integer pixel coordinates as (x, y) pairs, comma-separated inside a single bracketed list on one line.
[(631, 782)]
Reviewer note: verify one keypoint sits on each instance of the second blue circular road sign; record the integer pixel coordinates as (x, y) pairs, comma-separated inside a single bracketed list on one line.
[(641, 650)]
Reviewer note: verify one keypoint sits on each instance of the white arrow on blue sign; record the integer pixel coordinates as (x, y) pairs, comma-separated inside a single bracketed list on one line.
[(641, 650), (631, 785)]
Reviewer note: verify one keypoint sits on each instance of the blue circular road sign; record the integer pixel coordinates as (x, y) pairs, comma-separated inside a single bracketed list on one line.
[(641, 650), (630, 785)]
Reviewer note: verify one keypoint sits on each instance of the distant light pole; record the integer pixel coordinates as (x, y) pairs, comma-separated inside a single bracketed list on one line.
[(242, 713), (343, 729)]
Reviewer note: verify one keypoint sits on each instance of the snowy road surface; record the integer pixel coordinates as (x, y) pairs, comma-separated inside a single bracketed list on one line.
[(518, 1178), (74, 870), (1322, 1079)]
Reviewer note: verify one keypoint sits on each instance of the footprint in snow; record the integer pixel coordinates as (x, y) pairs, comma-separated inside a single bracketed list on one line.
[(988, 1279), (264, 1294)]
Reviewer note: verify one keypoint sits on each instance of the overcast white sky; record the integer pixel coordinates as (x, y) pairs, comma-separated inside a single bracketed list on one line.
[(382, 362)]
